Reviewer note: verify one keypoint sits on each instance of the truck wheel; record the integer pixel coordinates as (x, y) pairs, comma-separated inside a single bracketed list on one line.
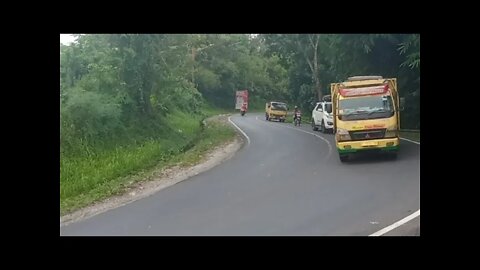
[(315, 128), (343, 158), (322, 126)]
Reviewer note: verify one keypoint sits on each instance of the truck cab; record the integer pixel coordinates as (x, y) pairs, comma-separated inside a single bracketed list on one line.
[(322, 116), (275, 110), (366, 115)]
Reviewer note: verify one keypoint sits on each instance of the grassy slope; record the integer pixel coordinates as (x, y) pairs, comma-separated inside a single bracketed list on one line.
[(89, 178)]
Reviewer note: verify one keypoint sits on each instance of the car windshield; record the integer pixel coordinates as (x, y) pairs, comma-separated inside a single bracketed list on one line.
[(279, 106), (368, 107), (328, 107)]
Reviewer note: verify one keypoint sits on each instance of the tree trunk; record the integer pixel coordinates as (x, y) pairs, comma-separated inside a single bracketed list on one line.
[(314, 65), (318, 88), (315, 72)]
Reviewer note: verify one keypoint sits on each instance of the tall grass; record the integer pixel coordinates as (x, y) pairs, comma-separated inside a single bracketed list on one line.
[(99, 172)]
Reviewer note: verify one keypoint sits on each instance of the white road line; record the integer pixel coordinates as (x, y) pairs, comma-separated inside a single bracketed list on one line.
[(330, 146), (384, 230), (397, 224), (328, 143), (409, 140), (244, 134)]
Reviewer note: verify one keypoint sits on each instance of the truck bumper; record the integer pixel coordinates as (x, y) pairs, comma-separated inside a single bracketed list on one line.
[(347, 147), (279, 117), (329, 125)]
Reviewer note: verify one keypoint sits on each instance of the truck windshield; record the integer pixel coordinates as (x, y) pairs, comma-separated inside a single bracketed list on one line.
[(369, 107), (279, 106)]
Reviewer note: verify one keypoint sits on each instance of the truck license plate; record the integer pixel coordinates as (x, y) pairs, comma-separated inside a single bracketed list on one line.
[(369, 144)]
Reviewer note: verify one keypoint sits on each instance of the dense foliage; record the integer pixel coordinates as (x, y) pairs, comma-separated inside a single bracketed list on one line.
[(120, 88)]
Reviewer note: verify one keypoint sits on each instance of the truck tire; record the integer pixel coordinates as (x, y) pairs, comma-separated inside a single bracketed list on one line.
[(315, 128), (343, 158)]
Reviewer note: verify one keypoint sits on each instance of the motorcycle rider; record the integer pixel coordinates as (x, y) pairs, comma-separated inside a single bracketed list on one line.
[(296, 110), (243, 110)]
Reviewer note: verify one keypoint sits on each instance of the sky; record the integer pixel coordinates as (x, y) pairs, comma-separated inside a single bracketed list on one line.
[(66, 39)]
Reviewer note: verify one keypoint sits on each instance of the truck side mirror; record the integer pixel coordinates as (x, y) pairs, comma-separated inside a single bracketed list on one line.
[(402, 103)]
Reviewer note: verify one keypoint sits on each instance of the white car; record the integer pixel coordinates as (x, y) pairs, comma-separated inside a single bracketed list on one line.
[(322, 116)]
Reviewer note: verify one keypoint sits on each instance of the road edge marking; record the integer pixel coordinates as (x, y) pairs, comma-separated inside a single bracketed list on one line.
[(316, 135), (388, 228), (304, 131), (244, 134), (396, 224), (409, 140)]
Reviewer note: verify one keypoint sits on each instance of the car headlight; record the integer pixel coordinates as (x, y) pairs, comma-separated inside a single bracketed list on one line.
[(343, 135)]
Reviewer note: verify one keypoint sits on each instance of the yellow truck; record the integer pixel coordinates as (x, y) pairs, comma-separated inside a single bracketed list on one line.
[(366, 115), (276, 110)]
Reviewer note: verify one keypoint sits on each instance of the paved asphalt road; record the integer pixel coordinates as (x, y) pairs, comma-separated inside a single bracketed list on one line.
[(285, 182)]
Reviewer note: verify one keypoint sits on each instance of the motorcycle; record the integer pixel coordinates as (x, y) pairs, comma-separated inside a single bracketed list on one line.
[(243, 109), (298, 119)]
